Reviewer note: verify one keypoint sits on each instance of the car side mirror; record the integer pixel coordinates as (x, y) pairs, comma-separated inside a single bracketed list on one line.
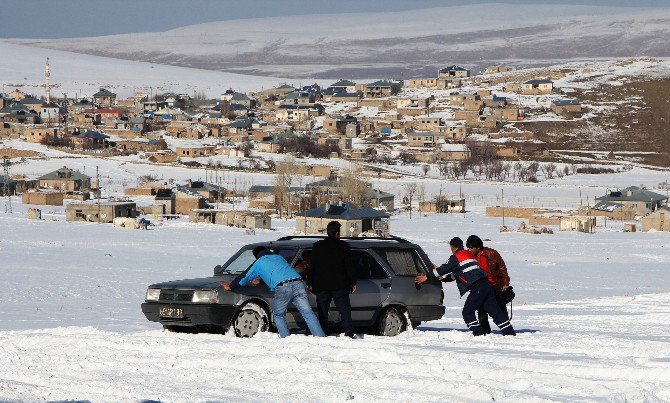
[(217, 269)]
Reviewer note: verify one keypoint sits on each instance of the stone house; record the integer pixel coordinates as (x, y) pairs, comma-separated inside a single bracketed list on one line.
[(423, 139), (454, 152), (39, 133), (537, 87), (453, 72), (355, 221), (428, 82), (443, 205), (659, 220), (232, 218), (566, 106), (196, 151), (640, 200), (44, 198), (104, 97), (382, 88), (343, 86), (65, 179), (99, 211), (338, 124)]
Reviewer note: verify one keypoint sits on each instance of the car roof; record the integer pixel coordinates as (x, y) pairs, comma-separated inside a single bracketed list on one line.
[(356, 243)]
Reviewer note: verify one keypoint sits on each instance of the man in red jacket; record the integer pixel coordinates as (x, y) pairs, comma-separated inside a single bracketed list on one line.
[(462, 268), (494, 265)]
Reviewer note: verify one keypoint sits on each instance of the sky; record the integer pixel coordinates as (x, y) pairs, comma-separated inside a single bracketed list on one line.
[(79, 18)]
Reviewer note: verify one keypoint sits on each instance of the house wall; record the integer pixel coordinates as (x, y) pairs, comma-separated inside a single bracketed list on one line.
[(42, 198), (517, 212), (63, 184), (104, 213), (658, 221)]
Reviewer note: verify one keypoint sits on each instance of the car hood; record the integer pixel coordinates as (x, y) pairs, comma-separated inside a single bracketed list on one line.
[(194, 283)]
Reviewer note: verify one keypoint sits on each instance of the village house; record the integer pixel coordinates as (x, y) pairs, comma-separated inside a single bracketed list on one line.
[(43, 198), (345, 86), (640, 200), (453, 72), (211, 192), (355, 221), (498, 69), (104, 97), (178, 200), (89, 139), (102, 211), (443, 205), (334, 189), (454, 152), (233, 218), (195, 151), (423, 139), (537, 87), (566, 106), (382, 88), (38, 134), (19, 114), (65, 179), (337, 124), (659, 220), (428, 82)]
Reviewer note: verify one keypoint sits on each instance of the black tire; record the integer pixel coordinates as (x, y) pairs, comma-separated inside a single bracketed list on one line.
[(390, 323), (249, 320)]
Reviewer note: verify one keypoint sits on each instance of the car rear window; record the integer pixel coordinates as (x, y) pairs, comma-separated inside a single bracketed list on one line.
[(404, 262)]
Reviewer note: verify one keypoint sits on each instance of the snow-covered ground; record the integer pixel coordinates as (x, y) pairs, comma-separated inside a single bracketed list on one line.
[(592, 310)]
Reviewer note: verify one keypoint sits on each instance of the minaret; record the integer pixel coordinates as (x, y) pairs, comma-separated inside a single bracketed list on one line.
[(47, 85)]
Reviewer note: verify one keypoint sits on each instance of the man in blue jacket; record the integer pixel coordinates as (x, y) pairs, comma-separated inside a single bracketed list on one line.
[(462, 267), (286, 285)]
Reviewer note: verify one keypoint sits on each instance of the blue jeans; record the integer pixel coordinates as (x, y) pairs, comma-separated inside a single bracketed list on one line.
[(296, 293)]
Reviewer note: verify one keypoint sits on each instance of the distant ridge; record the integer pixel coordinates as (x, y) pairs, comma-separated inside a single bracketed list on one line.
[(393, 44)]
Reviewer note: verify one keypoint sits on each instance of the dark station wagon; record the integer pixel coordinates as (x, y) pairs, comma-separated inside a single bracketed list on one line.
[(386, 301)]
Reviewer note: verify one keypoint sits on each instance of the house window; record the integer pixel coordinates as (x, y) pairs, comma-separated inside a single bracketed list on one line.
[(308, 224)]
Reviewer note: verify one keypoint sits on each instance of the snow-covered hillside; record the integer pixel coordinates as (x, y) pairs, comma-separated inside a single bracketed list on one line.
[(369, 45), (83, 75)]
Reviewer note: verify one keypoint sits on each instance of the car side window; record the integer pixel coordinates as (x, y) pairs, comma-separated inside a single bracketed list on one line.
[(404, 262), (366, 267), (286, 253)]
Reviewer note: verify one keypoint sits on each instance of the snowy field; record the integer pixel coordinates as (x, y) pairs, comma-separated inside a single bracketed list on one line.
[(592, 310)]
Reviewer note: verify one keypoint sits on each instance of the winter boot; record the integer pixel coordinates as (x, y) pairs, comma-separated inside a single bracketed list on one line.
[(508, 331), (477, 331)]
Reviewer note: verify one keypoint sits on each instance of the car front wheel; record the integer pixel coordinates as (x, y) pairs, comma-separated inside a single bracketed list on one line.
[(390, 323), (250, 320)]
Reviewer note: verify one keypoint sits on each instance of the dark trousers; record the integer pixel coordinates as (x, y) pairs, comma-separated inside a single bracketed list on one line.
[(341, 298), (483, 316), (481, 296)]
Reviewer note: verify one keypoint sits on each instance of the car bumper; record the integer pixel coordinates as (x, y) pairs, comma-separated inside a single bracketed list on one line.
[(194, 314)]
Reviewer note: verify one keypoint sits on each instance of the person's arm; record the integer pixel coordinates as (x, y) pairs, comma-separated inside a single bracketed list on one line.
[(442, 273), (245, 277)]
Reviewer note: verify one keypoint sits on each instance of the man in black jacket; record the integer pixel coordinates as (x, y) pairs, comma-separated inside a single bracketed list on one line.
[(332, 277)]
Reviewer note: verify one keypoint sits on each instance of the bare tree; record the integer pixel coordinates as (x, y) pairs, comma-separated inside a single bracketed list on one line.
[(285, 172), (425, 168), (353, 188), (410, 191)]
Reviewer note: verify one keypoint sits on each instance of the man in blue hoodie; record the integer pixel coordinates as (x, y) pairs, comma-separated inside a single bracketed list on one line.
[(286, 285)]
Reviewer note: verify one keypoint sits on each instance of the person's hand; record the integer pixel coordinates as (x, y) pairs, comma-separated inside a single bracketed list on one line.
[(354, 288), (255, 282), (504, 287), (421, 278), (225, 285), (434, 266), (309, 288)]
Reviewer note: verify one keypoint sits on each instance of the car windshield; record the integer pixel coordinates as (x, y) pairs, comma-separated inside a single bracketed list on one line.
[(245, 258)]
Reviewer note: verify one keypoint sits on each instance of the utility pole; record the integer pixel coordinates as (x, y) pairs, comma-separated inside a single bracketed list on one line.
[(98, 191), (8, 202)]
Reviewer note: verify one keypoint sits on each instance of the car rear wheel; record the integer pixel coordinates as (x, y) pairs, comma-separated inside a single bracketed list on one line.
[(390, 323), (250, 320)]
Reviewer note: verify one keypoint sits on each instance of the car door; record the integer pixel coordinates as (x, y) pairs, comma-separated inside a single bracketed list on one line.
[(372, 288), (406, 264)]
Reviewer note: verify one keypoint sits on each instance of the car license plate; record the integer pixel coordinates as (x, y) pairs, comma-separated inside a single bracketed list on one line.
[(166, 312)]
